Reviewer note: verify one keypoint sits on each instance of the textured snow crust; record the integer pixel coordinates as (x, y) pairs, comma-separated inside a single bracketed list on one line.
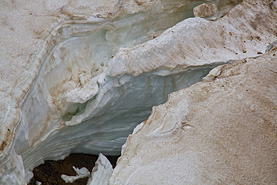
[(84, 74), (218, 131)]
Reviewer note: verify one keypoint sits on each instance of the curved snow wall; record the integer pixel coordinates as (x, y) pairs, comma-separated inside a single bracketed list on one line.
[(76, 104)]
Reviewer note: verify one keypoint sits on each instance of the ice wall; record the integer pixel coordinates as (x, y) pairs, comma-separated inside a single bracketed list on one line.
[(76, 106), (100, 74)]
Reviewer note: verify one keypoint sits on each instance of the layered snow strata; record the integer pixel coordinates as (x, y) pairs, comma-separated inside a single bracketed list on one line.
[(41, 56), (220, 130), (96, 76)]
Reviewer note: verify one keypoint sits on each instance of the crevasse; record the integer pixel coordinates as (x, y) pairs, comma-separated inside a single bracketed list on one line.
[(75, 105)]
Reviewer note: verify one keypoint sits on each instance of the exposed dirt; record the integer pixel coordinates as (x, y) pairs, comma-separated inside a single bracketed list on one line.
[(50, 172)]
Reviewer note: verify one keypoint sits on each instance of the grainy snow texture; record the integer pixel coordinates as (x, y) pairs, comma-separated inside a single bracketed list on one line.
[(219, 131), (79, 76)]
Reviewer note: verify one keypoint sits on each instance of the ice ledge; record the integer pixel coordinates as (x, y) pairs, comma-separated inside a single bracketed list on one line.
[(195, 40), (220, 130)]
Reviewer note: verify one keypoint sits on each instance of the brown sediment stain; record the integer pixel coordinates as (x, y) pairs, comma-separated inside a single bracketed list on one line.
[(185, 124), (138, 2), (231, 69), (147, 120), (3, 145), (8, 137)]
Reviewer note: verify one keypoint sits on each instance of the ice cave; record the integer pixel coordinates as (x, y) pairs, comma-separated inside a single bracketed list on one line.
[(183, 90)]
